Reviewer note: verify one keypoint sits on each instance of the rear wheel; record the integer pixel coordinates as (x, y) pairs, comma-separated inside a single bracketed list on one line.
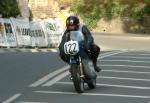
[(77, 80)]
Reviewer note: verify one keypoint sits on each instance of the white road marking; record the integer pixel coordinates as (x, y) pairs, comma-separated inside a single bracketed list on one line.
[(125, 86), (44, 50), (129, 54), (94, 94), (110, 54), (129, 79), (126, 61), (54, 80), (47, 77), (51, 75), (133, 57), (107, 53), (53, 50), (111, 85), (121, 71), (11, 99), (34, 50), (128, 66), (59, 77)]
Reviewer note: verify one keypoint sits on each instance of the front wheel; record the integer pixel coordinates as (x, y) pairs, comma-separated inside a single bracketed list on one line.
[(77, 80)]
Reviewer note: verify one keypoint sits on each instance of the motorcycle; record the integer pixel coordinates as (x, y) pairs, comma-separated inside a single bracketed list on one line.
[(82, 69)]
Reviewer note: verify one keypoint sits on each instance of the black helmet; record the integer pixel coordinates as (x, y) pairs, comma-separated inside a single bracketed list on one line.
[(72, 21)]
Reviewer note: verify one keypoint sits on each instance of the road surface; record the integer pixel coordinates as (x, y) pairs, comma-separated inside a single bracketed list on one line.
[(42, 77)]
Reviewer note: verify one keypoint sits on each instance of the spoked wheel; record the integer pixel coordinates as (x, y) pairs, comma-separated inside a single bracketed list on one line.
[(77, 80), (91, 83)]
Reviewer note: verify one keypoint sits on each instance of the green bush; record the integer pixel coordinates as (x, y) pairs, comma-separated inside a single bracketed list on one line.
[(112, 9), (91, 11), (31, 15), (9, 8), (147, 9), (136, 13)]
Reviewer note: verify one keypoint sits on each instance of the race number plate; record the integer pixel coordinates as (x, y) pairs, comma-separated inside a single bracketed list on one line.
[(71, 47)]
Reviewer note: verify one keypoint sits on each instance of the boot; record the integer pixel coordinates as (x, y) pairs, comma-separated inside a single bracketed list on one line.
[(97, 69), (95, 50)]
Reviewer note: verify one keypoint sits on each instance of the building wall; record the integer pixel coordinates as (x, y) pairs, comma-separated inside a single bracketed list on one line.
[(43, 8), (23, 5)]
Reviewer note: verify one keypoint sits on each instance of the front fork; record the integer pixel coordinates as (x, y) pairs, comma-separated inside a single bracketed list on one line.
[(78, 61), (81, 68)]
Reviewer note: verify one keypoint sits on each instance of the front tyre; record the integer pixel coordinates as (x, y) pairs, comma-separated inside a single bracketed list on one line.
[(77, 80)]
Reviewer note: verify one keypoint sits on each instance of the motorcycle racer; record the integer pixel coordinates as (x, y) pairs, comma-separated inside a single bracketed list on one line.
[(73, 24)]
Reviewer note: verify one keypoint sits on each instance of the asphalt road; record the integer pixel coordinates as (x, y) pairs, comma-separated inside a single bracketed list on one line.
[(122, 41), (41, 77)]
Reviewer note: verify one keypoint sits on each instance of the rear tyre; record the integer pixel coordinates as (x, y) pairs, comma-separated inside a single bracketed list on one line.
[(77, 80)]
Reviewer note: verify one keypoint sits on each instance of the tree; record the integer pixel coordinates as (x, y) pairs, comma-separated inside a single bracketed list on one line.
[(9, 8)]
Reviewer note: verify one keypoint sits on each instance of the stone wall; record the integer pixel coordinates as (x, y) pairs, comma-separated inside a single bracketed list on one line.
[(123, 25), (146, 23)]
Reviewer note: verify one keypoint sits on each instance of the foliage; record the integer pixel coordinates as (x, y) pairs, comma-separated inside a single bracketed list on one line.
[(136, 13), (112, 9), (9, 8), (147, 9), (91, 11), (64, 3), (88, 10), (31, 15)]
